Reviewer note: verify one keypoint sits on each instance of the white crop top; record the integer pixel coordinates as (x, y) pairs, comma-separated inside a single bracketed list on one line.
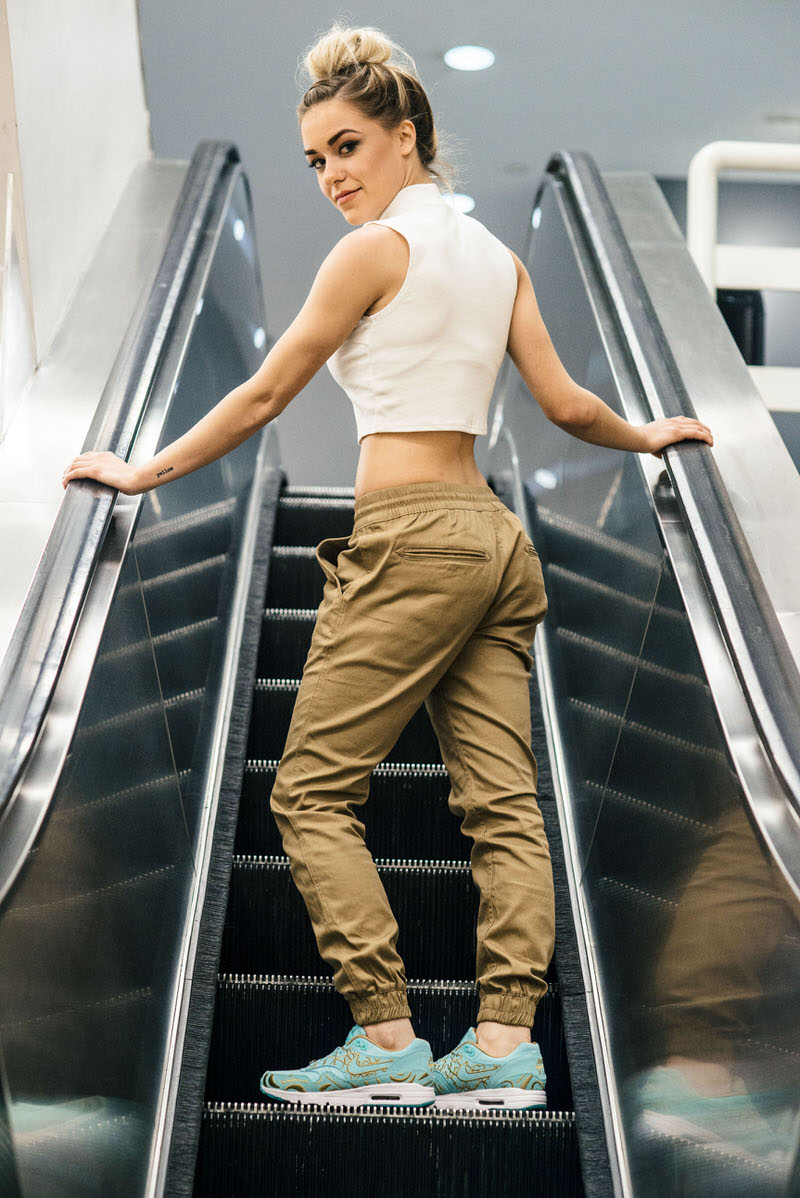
[(429, 359)]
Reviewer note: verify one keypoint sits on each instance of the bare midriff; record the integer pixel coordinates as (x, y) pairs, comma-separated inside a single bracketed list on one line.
[(392, 459)]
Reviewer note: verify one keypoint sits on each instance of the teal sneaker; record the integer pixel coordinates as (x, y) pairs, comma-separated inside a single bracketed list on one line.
[(470, 1077), (359, 1073)]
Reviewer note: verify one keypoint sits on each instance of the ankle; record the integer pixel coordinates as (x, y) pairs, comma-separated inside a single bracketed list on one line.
[(391, 1034), (499, 1039)]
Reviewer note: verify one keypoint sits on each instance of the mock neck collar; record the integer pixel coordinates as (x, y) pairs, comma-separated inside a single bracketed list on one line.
[(413, 195)]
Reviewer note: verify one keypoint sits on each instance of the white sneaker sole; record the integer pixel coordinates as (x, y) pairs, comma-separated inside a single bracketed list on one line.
[(509, 1097), (381, 1094)]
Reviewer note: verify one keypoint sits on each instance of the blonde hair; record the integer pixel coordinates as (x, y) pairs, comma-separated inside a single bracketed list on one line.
[(357, 65)]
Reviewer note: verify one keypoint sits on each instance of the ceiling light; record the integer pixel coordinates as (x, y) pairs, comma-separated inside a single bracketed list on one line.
[(545, 478), (461, 202), (469, 58)]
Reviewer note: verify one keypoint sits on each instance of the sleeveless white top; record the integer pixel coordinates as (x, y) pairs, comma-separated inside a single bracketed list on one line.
[(429, 359)]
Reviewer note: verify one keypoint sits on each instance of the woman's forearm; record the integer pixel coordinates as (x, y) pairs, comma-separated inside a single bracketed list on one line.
[(235, 418), (597, 423)]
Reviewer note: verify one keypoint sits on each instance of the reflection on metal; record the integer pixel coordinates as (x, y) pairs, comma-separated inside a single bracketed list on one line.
[(746, 609), (754, 466), (679, 838), (41, 638), (9, 1179), (117, 796)]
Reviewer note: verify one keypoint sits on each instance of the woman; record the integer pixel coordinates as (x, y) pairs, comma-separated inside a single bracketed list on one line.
[(434, 597)]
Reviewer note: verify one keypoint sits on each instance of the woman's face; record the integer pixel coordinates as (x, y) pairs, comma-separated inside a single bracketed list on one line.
[(361, 158)]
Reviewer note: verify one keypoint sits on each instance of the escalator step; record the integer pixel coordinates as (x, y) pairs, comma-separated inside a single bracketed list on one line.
[(273, 704), (405, 815), (267, 927), (285, 640), (296, 579), (252, 1149), (308, 519), (280, 1022), (271, 714)]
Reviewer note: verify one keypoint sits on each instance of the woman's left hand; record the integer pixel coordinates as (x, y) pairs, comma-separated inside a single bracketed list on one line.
[(659, 433), (105, 467)]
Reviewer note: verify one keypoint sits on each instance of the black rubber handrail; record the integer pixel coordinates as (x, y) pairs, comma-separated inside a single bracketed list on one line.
[(41, 638), (756, 642)]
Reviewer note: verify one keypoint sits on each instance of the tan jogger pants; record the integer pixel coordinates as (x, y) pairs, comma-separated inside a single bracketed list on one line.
[(435, 598)]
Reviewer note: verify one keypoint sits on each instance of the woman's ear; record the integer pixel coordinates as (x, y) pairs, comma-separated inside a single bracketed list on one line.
[(408, 136)]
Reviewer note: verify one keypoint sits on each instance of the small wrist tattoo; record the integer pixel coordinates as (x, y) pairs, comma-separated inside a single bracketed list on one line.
[(160, 472)]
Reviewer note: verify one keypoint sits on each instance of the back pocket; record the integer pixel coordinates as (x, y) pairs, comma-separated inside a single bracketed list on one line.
[(463, 553)]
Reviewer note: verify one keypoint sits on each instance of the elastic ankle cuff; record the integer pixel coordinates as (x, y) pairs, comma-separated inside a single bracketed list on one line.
[(517, 1009), (374, 1008)]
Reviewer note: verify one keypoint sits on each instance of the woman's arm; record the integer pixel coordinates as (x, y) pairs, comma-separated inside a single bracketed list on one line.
[(354, 274), (565, 402)]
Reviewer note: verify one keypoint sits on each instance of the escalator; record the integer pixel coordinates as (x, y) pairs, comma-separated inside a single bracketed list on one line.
[(156, 956)]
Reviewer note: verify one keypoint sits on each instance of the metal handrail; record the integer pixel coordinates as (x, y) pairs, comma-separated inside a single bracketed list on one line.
[(701, 200), (41, 638), (753, 634)]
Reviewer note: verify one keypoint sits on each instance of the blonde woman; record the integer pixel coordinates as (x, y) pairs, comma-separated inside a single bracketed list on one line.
[(435, 596)]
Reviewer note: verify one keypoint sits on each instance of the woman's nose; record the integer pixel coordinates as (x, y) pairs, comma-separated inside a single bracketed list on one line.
[(332, 176)]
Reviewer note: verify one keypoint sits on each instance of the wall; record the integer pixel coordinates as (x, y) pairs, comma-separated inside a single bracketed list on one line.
[(82, 125)]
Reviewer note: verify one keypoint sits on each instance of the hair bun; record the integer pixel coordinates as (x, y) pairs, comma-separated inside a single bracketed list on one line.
[(344, 48)]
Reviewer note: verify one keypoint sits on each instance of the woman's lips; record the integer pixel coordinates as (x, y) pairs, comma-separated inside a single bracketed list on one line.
[(343, 199)]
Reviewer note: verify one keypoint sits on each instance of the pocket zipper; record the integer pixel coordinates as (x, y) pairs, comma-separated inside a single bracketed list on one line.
[(446, 552)]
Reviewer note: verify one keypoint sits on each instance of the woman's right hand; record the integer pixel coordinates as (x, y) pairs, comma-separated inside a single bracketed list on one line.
[(670, 429)]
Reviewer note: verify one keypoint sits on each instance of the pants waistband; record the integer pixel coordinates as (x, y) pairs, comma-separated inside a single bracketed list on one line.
[(421, 497)]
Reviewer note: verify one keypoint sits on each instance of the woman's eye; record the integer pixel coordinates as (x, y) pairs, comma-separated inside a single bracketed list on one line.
[(344, 144)]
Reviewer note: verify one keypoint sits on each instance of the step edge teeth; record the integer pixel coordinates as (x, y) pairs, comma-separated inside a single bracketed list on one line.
[(366, 1114), (388, 768), (255, 859), (276, 979)]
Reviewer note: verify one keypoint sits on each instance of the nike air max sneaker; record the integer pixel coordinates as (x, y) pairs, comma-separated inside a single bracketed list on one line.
[(470, 1077), (359, 1073)]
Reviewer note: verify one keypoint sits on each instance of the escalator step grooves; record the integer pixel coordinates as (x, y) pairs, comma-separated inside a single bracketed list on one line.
[(275, 1022), (383, 1151)]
